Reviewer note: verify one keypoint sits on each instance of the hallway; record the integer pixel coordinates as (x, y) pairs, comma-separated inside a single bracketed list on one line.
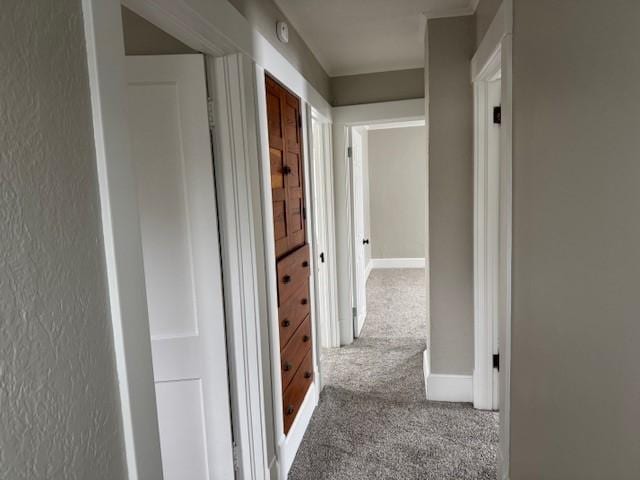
[(373, 421)]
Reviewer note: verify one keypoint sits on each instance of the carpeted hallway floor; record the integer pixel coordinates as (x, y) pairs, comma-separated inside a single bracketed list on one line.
[(373, 421)]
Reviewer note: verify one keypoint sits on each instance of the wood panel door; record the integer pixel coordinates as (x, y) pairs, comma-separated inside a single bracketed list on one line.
[(293, 265), (285, 152)]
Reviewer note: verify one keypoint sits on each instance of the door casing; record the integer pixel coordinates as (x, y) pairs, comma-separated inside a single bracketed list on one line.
[(344, 118), (495, 51), (357, 227)]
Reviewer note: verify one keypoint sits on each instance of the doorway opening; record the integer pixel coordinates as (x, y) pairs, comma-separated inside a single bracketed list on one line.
[(388, 184), (386, 181)]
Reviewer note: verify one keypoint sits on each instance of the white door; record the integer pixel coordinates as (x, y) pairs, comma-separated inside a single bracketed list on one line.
[(319, 201), (360, 291), (177, 204)]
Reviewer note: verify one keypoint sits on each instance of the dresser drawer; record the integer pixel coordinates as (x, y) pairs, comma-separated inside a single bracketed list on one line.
[(293, 353), (297, 389), (292, 270), (293, 312)]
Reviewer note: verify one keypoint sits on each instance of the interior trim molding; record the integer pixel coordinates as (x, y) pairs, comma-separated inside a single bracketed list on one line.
[(501, 26), (396, 263), (379, 113), (236, 169), (288, 446), (496, 48), (449, 388)]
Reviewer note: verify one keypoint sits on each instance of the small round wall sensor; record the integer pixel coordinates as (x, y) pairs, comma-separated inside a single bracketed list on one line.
[(282, 30)]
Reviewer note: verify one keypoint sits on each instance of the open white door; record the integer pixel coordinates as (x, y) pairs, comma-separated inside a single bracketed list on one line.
[(319, 202), (359, 287), (176, 196)]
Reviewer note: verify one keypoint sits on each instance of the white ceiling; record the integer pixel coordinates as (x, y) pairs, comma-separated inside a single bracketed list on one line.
[(363, 36)]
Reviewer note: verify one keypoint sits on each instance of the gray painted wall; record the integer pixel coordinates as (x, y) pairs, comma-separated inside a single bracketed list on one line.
[(141, 37), (575, 379), (451, 45), (485, 13), (398, 183), (377, 87), (263, 16), (60, 405)]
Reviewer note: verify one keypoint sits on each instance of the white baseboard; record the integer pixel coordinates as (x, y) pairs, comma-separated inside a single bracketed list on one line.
[(450, 388), (273, 470), (447, 388), (288, 446), (397, 263)]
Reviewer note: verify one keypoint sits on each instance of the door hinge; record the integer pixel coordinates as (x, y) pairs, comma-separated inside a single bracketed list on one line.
[(355, 312), (497, 115), (299, 120), (349, 152), (210, 114), (322, 257), (304, 213), (236, 457), (496, 361)]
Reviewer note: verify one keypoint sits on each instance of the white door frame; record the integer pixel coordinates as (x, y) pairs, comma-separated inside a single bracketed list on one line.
[(495, 51), (359, 278), (343, 119), (217, 29), (328, 330), (485, 237), (122, 238)]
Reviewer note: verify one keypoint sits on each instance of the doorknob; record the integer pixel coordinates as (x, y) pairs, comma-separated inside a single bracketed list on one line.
[(365, 241), (286, 169)]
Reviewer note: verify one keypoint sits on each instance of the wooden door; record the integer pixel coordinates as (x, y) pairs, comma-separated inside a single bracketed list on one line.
[(177, 203), (293, 265), (285, 152)]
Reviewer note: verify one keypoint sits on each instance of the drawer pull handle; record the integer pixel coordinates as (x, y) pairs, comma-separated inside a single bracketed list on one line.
[(290, 409), (286, 279), (305, 264), (287, 366), (307, 374), (305, 338), (304, 301), (286, 323)]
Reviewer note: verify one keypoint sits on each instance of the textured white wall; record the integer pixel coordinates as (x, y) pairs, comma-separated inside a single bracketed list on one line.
[(58, 392)]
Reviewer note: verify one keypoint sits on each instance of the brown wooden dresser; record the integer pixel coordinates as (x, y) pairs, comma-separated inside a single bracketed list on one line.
[(293, 267)]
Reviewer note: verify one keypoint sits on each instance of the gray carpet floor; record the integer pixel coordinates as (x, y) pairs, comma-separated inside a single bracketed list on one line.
[(373, 421)]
